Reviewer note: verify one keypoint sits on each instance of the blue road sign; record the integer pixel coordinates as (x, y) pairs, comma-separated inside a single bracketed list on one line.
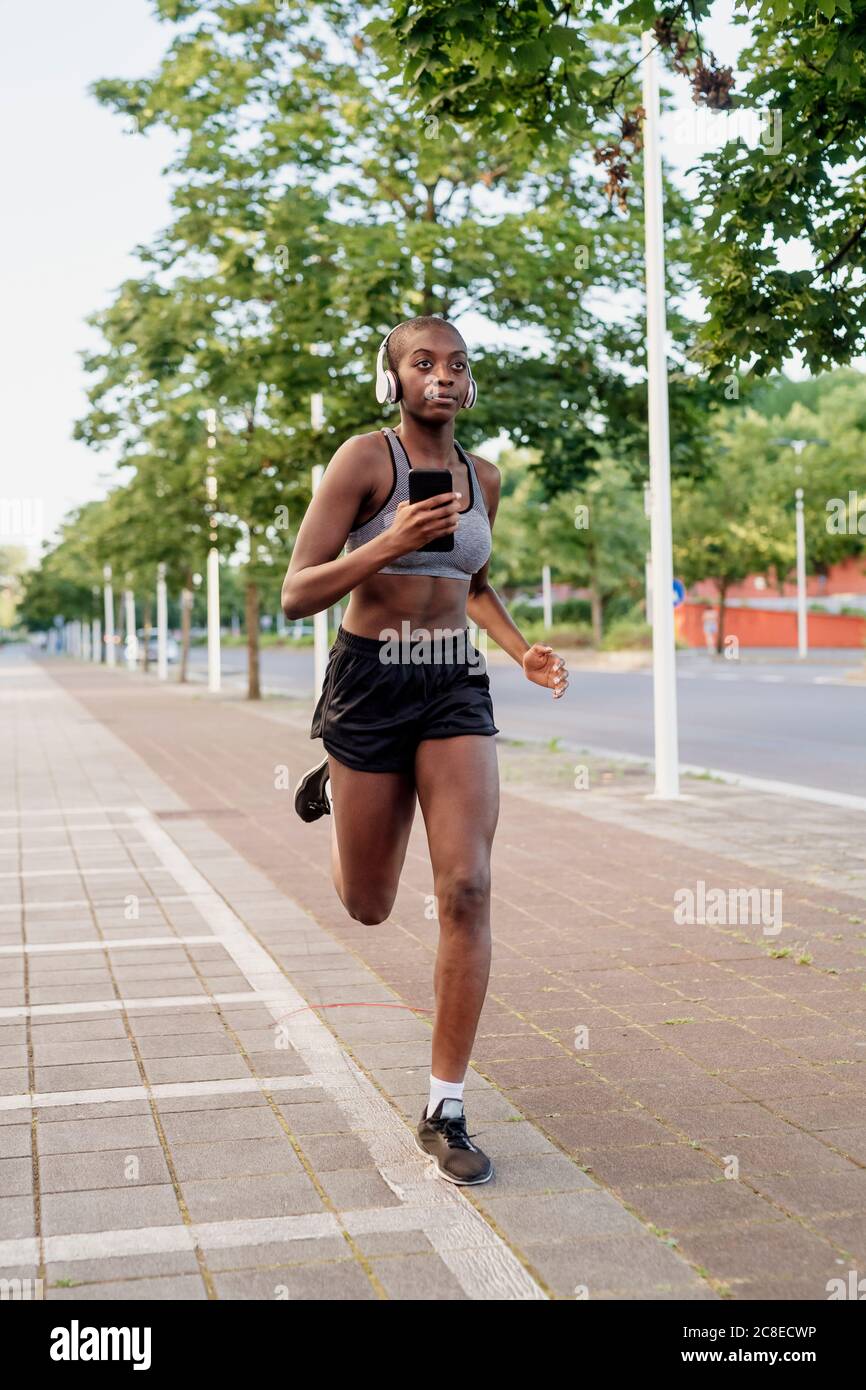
[(679, 592)]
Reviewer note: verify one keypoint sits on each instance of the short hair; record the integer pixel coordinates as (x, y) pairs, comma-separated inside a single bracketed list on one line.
[(399, 337)]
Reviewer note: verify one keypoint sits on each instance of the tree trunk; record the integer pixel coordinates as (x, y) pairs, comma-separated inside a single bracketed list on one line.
[(595, 608), (185, 624), (720, 635), (254, 691), (145, 623)]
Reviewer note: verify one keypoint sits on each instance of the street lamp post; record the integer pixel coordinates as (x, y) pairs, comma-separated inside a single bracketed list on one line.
[(110, 653), (546, 601), (131, 636), (213, 567), (664, 660), (161, 624), (320, 620), (802, 628), (96, 630)]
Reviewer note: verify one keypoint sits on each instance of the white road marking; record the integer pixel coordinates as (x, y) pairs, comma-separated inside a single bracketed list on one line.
[(845, 800), (161, 1090), (107, 1006), (213, 1235), (73, 811), (55, 948), (64, 829), (483, 1264), (77, 872)]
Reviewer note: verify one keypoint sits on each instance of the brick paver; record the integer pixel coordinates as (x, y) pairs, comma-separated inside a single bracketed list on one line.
[(718, 1108)]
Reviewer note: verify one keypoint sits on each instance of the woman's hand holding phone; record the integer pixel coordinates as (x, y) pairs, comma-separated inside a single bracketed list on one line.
[(416, 523)]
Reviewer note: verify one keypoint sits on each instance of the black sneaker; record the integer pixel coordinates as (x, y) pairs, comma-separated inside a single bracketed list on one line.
[(443, 1138), (311, 799)]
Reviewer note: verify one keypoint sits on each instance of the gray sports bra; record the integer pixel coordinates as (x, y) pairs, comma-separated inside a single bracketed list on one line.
[(472, 539)]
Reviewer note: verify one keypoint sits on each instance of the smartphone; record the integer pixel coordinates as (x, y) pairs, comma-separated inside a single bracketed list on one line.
[(429, 482)]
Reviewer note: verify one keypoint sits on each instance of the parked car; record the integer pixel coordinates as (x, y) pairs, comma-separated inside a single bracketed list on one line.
[(172, 648)]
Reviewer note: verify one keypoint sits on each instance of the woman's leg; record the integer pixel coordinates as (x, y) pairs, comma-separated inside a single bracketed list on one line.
[(372, 815), (458, 789)]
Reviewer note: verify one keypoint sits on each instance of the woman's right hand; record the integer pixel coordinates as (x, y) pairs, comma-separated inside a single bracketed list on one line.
[(416, 523)]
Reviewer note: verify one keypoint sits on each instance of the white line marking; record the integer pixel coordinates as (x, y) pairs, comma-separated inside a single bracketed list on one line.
[(161, 1240), (132, 869), (790, 789), (63, 829), (224, 1235), (72, 811), (845, 800), (110, 944), (107, 1006), (482, 1263), (162, 1090)]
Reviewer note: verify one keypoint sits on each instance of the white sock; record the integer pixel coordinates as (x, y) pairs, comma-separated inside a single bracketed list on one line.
[(442, 1090)]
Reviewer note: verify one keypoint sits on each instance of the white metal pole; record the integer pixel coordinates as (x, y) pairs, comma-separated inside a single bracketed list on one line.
[(320, 620), (131, 637), (546, 597), (213, 621), (96, 640), (161, 624), (110, 653), (667, 784), (802, 629), (213, 571)]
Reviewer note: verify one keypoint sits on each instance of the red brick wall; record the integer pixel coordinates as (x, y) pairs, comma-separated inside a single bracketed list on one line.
[(763, 627)]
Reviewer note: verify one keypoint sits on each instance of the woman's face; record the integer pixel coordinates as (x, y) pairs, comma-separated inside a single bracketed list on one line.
[(434, 374)]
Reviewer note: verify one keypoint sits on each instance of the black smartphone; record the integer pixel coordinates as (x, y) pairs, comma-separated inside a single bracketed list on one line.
[(429, 482)]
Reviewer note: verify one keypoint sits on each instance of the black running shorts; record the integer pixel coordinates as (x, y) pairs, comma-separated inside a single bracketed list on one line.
[(381, 698)]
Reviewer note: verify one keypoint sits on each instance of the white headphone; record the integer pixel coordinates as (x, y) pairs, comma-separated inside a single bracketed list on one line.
[(389, 390)]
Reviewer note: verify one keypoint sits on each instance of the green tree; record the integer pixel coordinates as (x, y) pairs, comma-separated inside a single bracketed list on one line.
[(735, 522), (543, 72), (593, 537)]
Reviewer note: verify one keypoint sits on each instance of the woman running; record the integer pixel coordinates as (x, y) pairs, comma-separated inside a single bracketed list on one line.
[(405, 709)]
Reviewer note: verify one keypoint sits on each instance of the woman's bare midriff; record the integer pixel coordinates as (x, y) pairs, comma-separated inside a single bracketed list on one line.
[(385, 601)]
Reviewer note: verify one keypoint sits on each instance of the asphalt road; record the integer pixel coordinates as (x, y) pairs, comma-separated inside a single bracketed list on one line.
[(766, 716)]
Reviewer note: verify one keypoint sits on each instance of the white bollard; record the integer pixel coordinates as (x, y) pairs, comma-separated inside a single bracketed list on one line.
[(131, 636), (213, 621), (161, 624), (110, 648)]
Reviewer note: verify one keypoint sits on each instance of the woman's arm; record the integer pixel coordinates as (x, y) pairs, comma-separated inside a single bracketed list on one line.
[(315, 578)]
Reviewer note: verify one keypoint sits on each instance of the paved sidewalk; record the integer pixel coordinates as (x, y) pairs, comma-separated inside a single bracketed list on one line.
[(710, 1141), (176, 1121)]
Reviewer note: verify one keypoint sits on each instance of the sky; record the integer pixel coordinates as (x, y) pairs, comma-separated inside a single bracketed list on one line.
[(81, 193)]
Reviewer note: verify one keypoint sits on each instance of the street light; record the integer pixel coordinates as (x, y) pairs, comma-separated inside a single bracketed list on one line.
[(320, 620), (213, 566), (161, 624), (131, 635), (96, 629), (802, 638), (110, 653), (667, 772), (798, 445)]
